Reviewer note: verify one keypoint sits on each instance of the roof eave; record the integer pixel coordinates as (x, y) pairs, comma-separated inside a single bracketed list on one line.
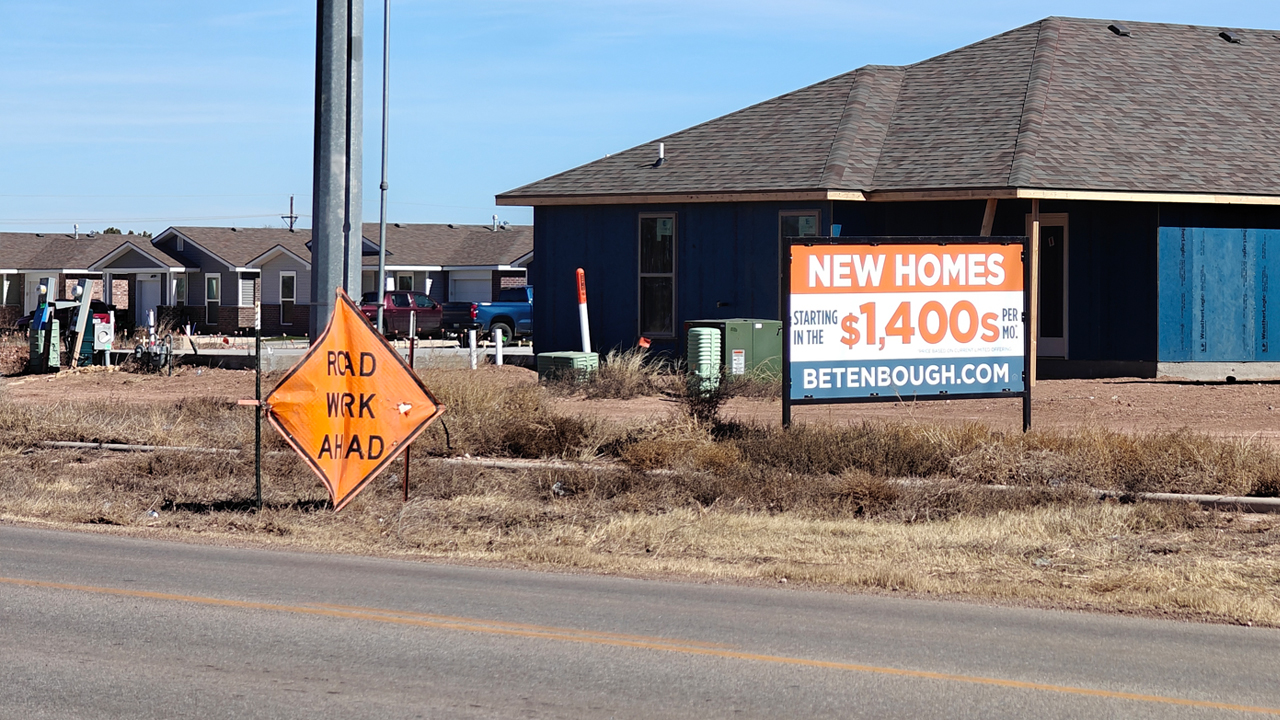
[(660, 198)]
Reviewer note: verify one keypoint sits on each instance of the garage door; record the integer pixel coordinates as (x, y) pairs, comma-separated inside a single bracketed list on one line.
[(467, 290)]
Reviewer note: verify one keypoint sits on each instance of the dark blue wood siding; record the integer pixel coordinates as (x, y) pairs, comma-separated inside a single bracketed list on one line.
[(726, 267), (727, 262)]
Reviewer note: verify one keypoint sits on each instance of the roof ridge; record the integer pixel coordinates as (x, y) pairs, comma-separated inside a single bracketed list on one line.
[(1039, 77), (859, 127)]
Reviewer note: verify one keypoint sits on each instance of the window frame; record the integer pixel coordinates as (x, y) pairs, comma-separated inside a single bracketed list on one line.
[(211, 303), (180, 289), (286, 318), (784, 250), (401, 276), (673, 274)]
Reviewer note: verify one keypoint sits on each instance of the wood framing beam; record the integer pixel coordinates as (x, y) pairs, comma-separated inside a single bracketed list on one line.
[(989, 217), (935, 195), (1109, 196)]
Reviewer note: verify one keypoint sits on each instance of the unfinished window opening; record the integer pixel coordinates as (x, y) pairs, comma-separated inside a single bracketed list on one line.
[(793, 223), (657, 275)]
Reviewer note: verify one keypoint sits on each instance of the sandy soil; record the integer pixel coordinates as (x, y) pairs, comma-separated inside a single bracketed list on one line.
[(1124, 404)]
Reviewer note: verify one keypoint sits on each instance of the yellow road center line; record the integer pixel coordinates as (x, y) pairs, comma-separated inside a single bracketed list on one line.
[(453, 620), (569, 635)]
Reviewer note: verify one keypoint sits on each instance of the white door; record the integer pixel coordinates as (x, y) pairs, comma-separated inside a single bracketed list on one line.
[(148, 296), (31, 296)]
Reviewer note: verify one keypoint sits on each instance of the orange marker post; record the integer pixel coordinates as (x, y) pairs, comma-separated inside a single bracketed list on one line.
[(582, 311)]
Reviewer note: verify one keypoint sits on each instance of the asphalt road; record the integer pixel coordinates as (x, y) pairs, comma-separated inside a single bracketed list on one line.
[(95, 626)]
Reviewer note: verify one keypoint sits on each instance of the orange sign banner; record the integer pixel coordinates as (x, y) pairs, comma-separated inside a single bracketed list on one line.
[(351, 404), (845, 269)]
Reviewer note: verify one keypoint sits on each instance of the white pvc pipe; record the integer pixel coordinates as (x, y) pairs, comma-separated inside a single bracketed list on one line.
[(582, 311), (471, 342), (497, 341)]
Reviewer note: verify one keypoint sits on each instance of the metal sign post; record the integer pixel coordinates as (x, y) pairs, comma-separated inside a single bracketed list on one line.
[(905, 318), (257, 409)]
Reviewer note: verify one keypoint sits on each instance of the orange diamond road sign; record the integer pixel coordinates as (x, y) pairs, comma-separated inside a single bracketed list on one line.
[(351, 404)]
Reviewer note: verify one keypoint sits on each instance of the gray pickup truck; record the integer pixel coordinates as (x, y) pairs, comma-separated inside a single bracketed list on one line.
[(512, 313)]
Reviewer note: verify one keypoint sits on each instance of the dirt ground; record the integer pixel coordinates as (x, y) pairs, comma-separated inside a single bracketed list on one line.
[(1244, 410)]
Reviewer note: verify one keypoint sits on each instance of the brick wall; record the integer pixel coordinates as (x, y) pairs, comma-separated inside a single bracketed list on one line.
[(271, 324), (507, 279)]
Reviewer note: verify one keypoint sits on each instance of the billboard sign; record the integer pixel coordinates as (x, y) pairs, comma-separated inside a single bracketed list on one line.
[(905, 318)]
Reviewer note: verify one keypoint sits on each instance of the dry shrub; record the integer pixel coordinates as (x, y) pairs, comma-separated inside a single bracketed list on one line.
[(1179, 462), (622, 375), (763, 385), (13, 359), (485, 418), (199, 422), (886, 449), (680, 445)]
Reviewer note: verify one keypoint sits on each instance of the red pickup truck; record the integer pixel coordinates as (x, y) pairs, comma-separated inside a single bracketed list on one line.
[(397, 305)]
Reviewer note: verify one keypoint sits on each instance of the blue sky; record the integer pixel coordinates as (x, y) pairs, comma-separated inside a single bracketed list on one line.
[(148, 113)]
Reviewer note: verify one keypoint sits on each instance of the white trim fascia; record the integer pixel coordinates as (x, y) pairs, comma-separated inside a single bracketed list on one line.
[(405, 268), (150, 271), (523, 260), (479, 267)]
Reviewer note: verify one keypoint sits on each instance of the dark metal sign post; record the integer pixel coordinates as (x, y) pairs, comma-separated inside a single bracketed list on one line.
[(893, 319)]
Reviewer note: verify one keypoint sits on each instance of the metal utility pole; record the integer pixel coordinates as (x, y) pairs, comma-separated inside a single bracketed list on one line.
[(382, 214), (336, 164)]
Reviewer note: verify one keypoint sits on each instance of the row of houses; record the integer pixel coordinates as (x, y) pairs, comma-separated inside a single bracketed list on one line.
[(1147, 154), (211, 277)]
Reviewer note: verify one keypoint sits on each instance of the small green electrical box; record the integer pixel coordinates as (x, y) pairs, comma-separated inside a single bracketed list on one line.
[(576, 365), (749, 346)]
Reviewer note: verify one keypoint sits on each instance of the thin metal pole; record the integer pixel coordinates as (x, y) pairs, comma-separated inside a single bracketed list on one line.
[(257, 409), (407, 448), (353, 225), (382, 215)]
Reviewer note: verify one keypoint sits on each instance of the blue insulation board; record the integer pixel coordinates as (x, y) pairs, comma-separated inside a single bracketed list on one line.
[(1216, 300)]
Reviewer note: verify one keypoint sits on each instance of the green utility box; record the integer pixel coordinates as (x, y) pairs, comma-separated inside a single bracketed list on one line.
[(575, 365), (748, 346), (36, 361)]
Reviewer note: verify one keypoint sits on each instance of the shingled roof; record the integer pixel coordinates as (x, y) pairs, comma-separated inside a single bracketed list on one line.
[(240, 246), (47, 251), (451, 245), (1063, 104)]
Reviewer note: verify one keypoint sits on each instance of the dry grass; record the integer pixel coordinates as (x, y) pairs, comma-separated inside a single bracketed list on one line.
[(874, 506)]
